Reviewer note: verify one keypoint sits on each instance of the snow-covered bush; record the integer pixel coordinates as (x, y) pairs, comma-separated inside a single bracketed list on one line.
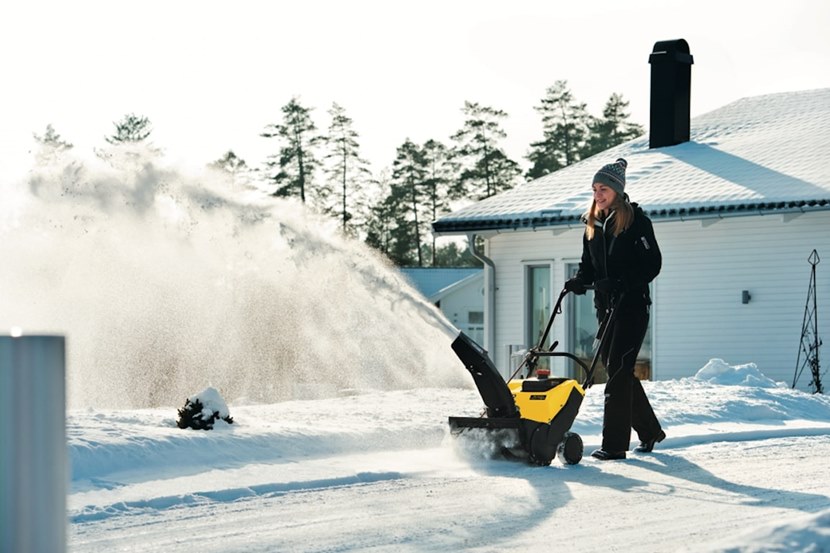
[(202, 410)]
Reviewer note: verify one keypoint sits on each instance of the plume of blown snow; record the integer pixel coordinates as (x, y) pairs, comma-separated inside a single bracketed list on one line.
[(164, 283)]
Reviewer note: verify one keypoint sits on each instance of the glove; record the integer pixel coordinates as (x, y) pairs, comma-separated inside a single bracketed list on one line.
[(575, 285), (609, 286)]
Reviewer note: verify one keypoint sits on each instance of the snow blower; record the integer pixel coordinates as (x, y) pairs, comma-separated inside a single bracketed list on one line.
[(529, 418)]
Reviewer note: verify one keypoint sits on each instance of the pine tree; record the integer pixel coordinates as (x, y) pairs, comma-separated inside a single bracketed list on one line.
[(486, 169), (613, 127), (52, 138), (131, 147), (407, 192), (441, 184), (544, 157), (293, 169), (232, 165), (388, 229), (131, 129), (400, 236), (54, 173), (453, 255), (345, 170), (565, 129), (51, 145), (381, 217)]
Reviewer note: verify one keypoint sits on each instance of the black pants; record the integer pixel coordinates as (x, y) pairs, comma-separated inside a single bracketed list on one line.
[(626, 404)]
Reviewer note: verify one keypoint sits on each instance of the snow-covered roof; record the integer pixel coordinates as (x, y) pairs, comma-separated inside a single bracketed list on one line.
[(436, 282), (756, 155)]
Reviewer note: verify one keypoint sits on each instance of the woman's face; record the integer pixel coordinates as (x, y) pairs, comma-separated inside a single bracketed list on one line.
[(604, 196)]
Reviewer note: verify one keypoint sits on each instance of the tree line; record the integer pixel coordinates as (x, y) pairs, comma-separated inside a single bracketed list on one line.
[(393, 209)]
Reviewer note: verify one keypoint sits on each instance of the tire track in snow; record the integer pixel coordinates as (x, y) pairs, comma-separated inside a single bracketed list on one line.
[(157, 504)]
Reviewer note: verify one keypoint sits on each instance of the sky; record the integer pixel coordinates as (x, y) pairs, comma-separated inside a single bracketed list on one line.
[(210, 77), (743, 469)]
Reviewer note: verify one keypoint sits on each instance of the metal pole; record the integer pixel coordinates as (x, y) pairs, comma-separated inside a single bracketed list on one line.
[(33, 458)]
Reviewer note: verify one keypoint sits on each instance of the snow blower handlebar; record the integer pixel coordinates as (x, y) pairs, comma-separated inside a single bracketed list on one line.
[(531, 358), (599, 339)]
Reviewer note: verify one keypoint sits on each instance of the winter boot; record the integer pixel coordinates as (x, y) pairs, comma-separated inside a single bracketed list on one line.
[(646, 446), (603, 455)]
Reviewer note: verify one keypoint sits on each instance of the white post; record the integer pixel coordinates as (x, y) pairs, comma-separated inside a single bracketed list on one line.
[(33, 459)]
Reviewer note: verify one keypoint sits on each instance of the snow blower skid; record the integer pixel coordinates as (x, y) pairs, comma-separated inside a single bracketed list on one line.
[(528, 418)]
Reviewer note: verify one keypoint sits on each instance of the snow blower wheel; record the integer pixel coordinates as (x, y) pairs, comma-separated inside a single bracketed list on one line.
[(570, 449)]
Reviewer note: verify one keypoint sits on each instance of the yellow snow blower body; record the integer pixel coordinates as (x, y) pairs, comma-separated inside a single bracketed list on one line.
[(538, 402), (529, 417)]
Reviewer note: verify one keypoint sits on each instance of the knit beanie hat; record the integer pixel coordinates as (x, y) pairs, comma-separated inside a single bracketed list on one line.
[(613, 175)]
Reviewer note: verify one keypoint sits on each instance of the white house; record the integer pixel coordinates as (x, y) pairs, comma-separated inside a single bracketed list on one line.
[(457, 292), (739, 197)]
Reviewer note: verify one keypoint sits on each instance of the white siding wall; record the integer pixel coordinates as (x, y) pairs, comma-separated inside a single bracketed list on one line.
[(457, 304), (698, 314)]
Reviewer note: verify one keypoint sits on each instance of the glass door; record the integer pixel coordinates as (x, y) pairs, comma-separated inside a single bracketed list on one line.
[(582, 329), (538, 307)]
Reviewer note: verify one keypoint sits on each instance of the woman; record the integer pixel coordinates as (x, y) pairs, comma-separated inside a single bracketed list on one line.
[(620, 257)]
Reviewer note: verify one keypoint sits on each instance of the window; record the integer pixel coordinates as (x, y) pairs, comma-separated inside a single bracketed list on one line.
[(475, 326)]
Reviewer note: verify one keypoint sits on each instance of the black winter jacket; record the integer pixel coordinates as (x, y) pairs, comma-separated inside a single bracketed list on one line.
[(633, 258)]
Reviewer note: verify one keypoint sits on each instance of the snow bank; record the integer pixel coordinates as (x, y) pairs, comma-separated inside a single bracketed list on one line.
[(718, 371), (103, 442)]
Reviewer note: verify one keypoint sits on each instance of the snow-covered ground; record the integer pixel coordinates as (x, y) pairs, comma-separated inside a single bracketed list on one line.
[(744, 468)]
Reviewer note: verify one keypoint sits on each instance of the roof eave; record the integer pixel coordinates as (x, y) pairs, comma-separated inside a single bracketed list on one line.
[(519, 224)]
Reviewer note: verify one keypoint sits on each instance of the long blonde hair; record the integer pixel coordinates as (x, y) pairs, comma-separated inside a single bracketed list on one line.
[(623, 216)]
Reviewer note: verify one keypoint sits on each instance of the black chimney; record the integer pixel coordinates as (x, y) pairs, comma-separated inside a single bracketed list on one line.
[(671, 84)]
